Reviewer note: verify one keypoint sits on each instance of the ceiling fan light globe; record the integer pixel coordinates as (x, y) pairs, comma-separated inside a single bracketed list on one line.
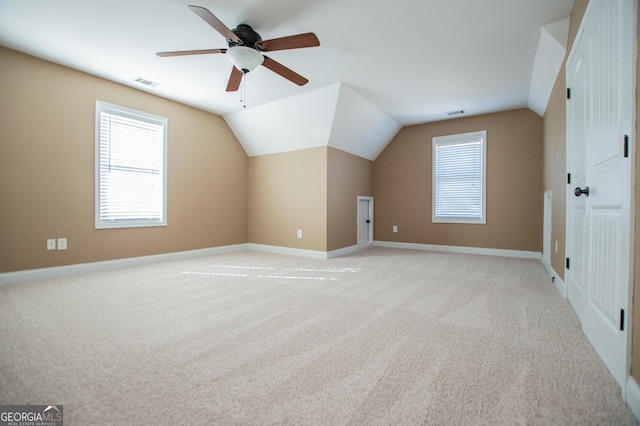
[(245, 58)]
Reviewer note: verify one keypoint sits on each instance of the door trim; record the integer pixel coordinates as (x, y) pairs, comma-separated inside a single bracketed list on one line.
[(546, 230)]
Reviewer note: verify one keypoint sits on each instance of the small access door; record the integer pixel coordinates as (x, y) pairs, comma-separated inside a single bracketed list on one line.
[(365, 220)]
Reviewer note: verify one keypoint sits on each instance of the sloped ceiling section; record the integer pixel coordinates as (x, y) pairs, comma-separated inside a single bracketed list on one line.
[(552, 46), (359, 127), (298, 122), (333, 115)]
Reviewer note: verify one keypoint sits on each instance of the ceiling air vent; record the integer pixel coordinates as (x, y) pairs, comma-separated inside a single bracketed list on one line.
[(457, 112), (146, 82)]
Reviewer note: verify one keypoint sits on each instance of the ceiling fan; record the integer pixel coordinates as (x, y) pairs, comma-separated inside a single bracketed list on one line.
[(246, 49)]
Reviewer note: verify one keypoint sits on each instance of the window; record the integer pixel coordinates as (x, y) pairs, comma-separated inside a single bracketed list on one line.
[(131, 176), (459, 178)]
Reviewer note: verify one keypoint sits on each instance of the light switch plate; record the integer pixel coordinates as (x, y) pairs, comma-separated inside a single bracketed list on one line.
[(62, 243)]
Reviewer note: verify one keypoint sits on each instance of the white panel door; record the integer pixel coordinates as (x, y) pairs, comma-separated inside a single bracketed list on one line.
[(600, 111)]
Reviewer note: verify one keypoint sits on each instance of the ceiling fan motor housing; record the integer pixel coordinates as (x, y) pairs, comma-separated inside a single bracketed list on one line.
[(249, 37)]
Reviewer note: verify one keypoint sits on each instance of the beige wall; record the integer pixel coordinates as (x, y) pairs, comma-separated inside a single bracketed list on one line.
[(554, 178), (402, 184), (287, 192), (216, 195), (47, 171), (312, 189), (554, 148), (348, 176)]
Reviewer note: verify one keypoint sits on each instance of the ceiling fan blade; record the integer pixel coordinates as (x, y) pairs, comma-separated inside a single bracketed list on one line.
[(290, 42), (190, 52), (285, 72), (234, 80), (217, 24)]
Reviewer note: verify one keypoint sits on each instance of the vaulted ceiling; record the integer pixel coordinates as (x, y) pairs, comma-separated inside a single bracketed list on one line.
[(380, 65)]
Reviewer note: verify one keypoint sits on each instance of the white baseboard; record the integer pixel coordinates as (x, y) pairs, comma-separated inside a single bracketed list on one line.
[(562, 288), (87, 268), (462, 250), (347, 250), (314, 254), (633, 397)]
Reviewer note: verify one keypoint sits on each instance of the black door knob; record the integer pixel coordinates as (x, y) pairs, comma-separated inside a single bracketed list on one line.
[(368, 221), (579, 191)]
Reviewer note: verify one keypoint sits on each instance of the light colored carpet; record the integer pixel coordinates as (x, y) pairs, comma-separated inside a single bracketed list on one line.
[(383, 336)]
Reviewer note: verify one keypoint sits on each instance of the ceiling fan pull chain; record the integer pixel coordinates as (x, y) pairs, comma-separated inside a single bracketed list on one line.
[(243, 91)]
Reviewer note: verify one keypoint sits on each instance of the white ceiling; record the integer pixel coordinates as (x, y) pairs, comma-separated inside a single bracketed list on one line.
[(413, 60)]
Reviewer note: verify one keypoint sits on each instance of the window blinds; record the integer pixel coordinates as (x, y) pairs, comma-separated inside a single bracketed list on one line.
[(459, 178), (131, 175)]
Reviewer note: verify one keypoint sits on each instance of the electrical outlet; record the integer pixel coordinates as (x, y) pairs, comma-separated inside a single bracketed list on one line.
[(299, 233), (62, 243), (395, 228), (51, 244)]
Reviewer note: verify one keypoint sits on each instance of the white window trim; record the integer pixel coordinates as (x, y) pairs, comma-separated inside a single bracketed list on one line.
[(140, 115), (461, 137)]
